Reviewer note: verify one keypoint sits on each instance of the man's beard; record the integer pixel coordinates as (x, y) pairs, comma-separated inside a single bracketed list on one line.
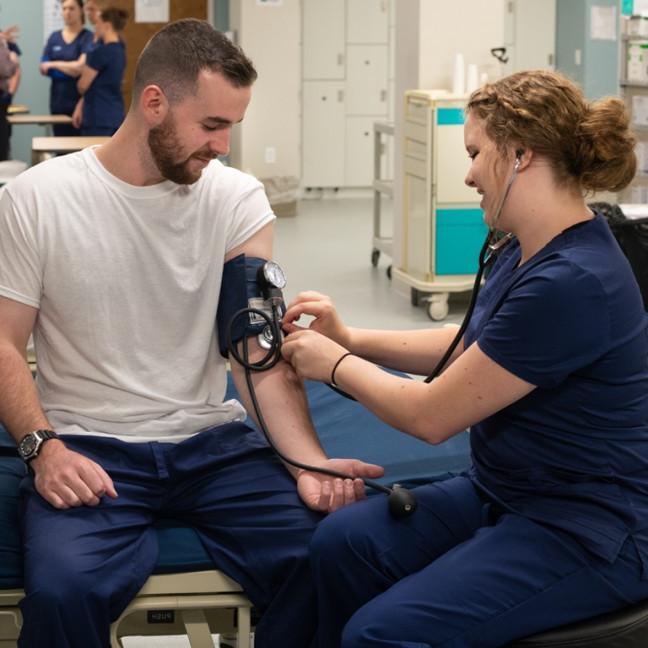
[(164, 145)]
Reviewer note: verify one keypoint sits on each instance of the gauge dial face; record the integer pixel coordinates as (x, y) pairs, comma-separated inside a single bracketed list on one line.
[(274, 274)]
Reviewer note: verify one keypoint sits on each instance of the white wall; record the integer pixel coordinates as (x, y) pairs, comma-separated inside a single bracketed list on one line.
[(469, 27), (270, 36)]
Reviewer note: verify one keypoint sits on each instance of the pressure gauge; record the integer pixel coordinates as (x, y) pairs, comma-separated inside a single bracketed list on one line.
[(273, 275)]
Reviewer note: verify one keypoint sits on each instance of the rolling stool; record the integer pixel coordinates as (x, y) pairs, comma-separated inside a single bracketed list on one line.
[(626, 628)]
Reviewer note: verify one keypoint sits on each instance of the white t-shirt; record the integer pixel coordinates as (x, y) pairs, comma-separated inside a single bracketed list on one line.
[(126, 280)]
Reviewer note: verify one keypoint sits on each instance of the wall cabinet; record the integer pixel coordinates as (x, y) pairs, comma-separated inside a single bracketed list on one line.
[(324, 127), (345, 89), (323, 39)]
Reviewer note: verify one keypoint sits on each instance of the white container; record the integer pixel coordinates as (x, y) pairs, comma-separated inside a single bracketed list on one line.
[(641, 151), (637, 26), (459, 76), (637, 64)]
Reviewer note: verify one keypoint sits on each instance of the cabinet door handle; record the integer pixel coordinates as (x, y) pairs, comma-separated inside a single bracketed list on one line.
[(340, 59), (340, 95), (383, 95)]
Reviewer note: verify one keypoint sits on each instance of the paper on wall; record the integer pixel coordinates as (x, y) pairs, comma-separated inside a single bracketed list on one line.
[(603, 23), (52, 17), (151, 11), (640, 110)]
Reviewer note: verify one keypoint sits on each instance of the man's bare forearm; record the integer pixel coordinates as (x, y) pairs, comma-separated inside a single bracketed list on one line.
[(20, 409), (284, 407)]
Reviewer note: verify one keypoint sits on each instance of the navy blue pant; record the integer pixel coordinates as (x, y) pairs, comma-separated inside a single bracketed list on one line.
[(456, 575), (84, 565)]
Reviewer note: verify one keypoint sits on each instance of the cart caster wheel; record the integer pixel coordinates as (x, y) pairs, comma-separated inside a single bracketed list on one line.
[(414, 297), (389, 272), (438, 310), (375, 255)]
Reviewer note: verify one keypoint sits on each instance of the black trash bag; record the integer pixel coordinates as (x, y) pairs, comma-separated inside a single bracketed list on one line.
[(632, 236)]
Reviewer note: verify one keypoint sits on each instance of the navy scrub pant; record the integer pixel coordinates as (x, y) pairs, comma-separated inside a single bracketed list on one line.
[(455, 575), (84, 565)]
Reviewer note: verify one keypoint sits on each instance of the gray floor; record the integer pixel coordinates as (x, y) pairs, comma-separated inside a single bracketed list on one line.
[(327, 247)]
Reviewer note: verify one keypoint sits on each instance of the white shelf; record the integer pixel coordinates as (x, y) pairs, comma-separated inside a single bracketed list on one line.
[(624, 83)]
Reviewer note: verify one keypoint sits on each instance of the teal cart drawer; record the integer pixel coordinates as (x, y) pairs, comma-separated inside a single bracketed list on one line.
[(460, 234)]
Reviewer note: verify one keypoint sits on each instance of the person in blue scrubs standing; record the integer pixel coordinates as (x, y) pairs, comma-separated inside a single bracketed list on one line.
[(550, 524), (101, 110), (63, 58), (10, 54)]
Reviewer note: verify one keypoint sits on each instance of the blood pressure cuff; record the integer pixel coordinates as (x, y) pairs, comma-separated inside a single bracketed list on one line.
[(239, 289)]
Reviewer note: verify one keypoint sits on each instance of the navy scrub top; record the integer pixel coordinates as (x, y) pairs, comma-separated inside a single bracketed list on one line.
[(572, 454), (63, 93), (103, 104)]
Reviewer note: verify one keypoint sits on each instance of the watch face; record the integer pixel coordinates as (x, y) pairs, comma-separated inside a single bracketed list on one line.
[(274, 274), (28, 445)]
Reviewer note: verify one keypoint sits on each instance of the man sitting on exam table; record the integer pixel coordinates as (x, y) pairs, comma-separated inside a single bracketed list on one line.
[(550, 524), (114, 257)]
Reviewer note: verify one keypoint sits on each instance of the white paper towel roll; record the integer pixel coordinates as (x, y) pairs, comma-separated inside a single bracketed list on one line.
[(472, 78), (459, 76)]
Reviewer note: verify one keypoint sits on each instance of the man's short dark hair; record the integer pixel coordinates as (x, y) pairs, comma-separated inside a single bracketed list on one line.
[(176, 55)]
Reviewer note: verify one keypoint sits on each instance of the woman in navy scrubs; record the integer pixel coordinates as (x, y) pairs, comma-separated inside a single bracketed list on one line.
[(63, 59), (101, 110), (550, 524)]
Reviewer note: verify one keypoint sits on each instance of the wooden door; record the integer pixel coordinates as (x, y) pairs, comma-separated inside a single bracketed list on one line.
[(136, 35)]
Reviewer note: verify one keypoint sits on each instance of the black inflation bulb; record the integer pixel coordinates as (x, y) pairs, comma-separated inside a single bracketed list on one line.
[(401, 502)]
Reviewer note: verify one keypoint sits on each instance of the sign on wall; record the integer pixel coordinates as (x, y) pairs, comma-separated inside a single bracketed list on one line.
[(52, 17), (151, 11)]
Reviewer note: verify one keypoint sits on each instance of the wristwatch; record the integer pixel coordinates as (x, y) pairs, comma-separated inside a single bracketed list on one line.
[(30, 446)]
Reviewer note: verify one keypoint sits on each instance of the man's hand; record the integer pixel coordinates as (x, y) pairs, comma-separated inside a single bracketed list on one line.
[(10, 34), (66, 478), (327, 494)]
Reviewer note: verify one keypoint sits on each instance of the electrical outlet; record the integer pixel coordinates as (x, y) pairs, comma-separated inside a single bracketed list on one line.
[(270, 154)]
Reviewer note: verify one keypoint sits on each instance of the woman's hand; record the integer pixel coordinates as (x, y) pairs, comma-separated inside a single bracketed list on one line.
[(327, 321), (311, 354), (77, 114)]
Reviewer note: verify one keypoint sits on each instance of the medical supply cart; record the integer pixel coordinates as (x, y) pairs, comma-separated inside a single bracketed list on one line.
[(443, 227), (382, 186)]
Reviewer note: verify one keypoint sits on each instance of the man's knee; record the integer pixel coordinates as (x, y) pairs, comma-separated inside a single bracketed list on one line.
[(339, 536)]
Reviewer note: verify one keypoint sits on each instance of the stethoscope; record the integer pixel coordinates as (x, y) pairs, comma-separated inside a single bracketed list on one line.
[(401, 501)]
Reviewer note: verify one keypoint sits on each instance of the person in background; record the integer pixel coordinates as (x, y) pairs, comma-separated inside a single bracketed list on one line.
[(100, 111), (9, 35), (550, 524), (92, 8), (8, 74), (63, 59)]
